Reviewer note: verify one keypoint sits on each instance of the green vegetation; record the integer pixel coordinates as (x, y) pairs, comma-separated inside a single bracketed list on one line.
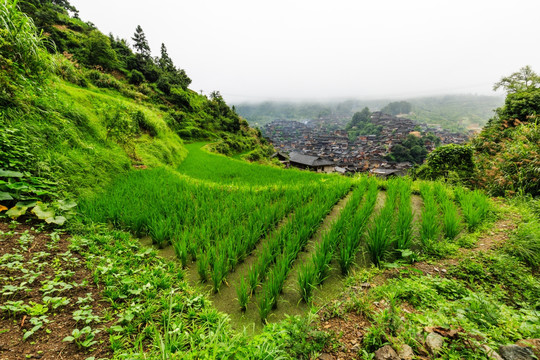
[(92, 140), (413, 149), (361, 125), (507, 152), (397, 108)]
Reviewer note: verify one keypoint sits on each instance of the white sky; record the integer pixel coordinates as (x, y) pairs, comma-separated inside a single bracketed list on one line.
[(253, 50)]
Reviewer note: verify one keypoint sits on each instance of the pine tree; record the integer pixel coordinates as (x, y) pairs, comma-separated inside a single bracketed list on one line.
[(165, 62), (141, 44)]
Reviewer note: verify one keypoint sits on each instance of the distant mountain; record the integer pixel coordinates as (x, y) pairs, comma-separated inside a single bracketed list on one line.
[(452, 112)]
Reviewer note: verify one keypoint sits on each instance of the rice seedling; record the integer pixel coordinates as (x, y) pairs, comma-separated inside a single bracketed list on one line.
[(404, 218), (321, 259), (474, 206), (243, 292), (346, 255), (181, 251), (253, 279), (379, 238), (351, 238), (429, 228), (380, 234), (218, 272), (202, 267), (451, 220), (265, 306), (306, 280), (159, 230)]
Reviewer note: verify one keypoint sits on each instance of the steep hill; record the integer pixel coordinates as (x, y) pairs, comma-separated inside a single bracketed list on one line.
[(79, 107)]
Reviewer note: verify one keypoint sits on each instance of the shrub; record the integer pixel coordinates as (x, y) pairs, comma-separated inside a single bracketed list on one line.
[(135, 77), (68, 70), (103, 80)]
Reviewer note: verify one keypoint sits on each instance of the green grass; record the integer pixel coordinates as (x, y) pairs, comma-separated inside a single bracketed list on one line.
[(201, 164)]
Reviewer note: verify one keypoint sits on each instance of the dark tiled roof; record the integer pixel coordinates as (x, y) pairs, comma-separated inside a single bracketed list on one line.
[(309, 160)]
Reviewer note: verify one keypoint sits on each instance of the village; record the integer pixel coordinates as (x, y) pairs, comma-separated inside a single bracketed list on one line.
[(312, 146)]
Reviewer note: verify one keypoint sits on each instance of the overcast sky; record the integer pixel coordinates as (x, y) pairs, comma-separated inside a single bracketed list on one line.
[(253, 50)]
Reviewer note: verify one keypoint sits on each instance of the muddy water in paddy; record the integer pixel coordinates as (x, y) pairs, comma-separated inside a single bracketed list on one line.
[(289, 302)]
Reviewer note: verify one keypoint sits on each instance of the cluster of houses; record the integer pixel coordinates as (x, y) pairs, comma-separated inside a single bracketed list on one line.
[(306, 146)]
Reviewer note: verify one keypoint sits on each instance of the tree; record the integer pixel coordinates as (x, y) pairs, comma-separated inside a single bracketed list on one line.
[(360, 117), (100, 51), (397, 107), (446, 158), (523, 80), (165, 62), (141, 44)]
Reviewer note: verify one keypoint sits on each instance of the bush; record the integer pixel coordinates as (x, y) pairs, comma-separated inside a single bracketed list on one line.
[(103, 80), (143, 123), (136, 77), (68, 71)]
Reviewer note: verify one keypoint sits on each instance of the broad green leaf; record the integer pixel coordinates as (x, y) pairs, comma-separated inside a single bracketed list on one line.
[(5, 196), (66, 204), (20, 185), (58, 220), (8, 173), (42, 212), (18, 210)]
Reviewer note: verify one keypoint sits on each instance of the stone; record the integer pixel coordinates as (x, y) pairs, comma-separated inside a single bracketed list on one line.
[(516, 352), (492, 354), (406, 352), (534, 344), (386, 353), (434, 342), (326, 356)]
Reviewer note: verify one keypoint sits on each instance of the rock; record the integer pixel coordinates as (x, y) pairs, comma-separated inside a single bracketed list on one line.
[(386, 353), (406, 352), (492, 354), (516, 352), (534, 344), (326, 356), (434, 342)]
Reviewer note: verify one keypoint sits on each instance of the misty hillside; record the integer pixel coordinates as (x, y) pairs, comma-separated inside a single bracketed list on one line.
[(453, 112)]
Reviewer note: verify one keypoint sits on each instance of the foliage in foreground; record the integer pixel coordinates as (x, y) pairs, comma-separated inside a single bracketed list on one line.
[(147, 292)]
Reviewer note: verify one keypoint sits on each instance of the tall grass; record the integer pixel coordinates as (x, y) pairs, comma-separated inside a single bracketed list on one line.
[(26, 44)]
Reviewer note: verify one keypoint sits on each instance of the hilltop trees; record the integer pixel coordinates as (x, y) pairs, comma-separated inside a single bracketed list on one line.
[(508, 149), (361, 124), (140, 43), (521, 81), (397, 107)]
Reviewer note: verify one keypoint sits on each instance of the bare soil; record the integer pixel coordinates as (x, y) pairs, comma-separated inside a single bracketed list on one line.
[(46, 343)]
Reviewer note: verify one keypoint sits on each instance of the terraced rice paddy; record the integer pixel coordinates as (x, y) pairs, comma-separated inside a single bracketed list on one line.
[(254, 235)]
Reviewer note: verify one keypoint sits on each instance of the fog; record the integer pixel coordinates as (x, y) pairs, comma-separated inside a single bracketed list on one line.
[(306, 49)]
